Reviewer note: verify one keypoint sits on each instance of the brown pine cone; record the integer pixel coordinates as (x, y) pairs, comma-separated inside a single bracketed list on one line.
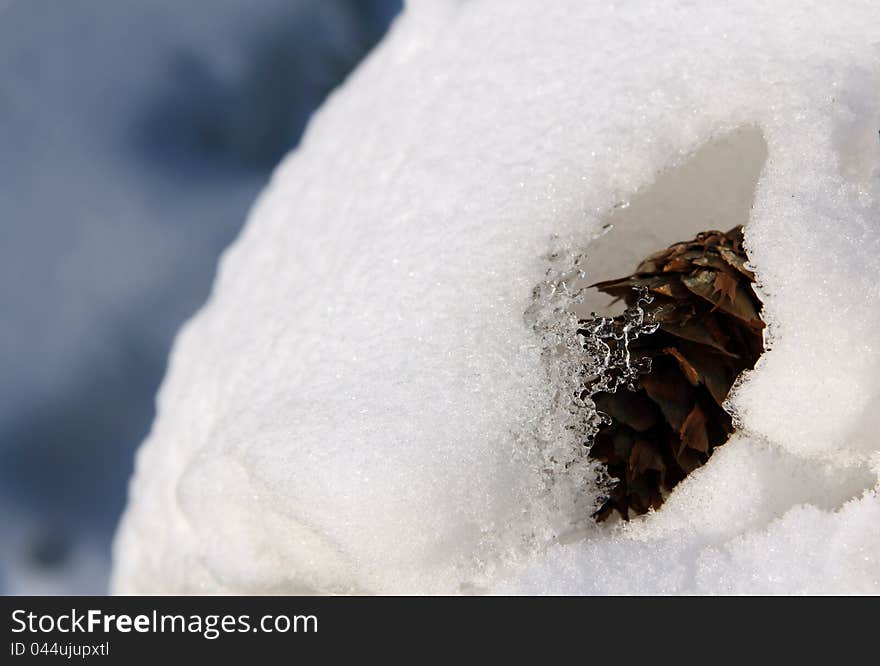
[(710, 331)]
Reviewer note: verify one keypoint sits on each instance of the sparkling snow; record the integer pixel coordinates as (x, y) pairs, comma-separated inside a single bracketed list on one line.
[(362, 405)]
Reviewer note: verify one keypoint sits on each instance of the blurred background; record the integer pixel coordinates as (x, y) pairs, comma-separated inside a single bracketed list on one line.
[(134, 136)]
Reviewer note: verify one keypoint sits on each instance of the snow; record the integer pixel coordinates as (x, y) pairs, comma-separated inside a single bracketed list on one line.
[(364, 404), (134, 137)]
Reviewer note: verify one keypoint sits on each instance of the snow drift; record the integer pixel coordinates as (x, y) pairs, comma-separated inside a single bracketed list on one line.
[(363, 405)]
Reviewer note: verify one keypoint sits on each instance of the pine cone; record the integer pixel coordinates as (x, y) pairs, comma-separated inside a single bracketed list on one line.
[(710, 331)]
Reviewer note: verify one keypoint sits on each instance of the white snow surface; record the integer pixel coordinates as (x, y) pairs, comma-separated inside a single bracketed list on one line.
[(362, 405)]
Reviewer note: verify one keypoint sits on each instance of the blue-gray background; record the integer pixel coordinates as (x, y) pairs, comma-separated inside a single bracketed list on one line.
[(134, 135)]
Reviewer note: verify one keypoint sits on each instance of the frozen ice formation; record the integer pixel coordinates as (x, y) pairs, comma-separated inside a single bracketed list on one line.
[(363, 404)]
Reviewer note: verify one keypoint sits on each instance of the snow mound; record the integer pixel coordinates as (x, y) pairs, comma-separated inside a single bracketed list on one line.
[(368, 403)]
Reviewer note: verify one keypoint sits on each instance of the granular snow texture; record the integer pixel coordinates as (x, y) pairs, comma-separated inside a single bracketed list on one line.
[(363, 405)]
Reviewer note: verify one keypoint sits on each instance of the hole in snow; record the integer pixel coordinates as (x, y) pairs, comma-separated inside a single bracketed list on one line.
[(713, 189), (710, 329)]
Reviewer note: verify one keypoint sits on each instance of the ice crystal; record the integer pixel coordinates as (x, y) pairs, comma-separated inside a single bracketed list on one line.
[(583, 358)]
